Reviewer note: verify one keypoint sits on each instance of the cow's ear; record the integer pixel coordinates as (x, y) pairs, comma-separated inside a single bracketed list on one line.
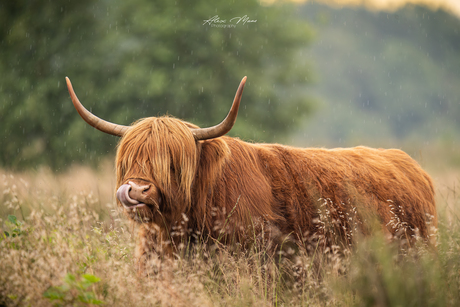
[(213, 153)]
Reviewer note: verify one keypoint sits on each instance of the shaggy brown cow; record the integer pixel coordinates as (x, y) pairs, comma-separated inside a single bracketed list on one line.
[(178, 180)]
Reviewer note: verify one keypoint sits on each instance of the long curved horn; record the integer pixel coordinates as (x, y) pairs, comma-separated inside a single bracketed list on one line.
[(227, 124), (93, 120)]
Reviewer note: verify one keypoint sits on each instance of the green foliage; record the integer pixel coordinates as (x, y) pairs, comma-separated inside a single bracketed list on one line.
[(138, 59), (39, 44), (15, 227), (74, 291), (385, 75)]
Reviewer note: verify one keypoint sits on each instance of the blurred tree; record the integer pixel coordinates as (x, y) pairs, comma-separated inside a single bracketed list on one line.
[(141, 58), (40, 42), (384, 76)]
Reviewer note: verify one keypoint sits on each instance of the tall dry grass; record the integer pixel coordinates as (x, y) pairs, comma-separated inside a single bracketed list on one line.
[(65, 243)]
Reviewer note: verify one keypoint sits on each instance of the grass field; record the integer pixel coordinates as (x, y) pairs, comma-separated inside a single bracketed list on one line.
[(64, 242)]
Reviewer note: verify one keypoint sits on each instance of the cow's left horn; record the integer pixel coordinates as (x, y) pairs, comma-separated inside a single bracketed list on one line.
[(227, 124), (93, 120)]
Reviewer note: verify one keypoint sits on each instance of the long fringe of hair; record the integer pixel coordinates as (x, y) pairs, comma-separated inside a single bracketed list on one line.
[(161, 150)]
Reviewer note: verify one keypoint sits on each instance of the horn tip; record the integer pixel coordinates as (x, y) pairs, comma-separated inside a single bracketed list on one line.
[(67, 80)]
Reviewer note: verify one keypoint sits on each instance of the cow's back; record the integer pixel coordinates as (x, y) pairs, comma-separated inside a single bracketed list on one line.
[(292, 188), (387, 184)]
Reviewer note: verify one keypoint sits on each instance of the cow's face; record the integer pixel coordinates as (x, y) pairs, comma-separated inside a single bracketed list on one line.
[(156, 164)]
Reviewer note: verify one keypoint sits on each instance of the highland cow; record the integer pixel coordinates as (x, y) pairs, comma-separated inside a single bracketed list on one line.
[(179, 181)]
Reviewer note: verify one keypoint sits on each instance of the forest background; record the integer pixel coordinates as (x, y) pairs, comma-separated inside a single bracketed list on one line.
[(317, 75)]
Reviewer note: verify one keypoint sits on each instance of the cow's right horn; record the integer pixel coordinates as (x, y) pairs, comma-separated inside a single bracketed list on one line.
[(227, 124), (93, 120)]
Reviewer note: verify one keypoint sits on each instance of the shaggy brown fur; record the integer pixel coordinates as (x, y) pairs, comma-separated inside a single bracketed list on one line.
[(223, 187)]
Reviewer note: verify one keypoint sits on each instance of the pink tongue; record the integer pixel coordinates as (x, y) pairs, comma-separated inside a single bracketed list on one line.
[(123, 196)]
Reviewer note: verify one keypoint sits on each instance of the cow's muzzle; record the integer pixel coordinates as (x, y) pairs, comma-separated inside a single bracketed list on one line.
[(131, 195)]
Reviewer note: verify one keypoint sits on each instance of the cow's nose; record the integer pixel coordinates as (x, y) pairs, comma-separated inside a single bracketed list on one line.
[(124, 197), (138, 192)]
